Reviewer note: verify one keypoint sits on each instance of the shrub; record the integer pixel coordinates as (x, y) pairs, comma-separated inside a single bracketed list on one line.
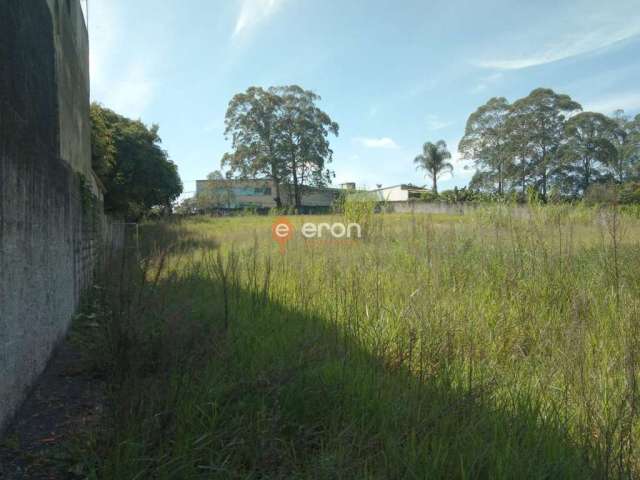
[(360, 208), (630, 193), (601, 194), (429, 196)]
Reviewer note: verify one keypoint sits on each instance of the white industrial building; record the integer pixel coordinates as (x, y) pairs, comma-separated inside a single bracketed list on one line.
[(399, 193)]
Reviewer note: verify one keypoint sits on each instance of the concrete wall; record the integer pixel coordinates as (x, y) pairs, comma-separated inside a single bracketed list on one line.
[(51, 227), (71, 43), (520, 211), (430, 207)]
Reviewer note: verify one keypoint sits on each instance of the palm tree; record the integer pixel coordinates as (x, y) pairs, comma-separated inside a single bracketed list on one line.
[(433, 161)]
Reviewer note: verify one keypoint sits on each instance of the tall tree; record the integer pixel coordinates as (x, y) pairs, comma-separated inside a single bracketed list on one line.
[(589, 148), (545, 112), (252, 122), (485, 139), (434, 161), (520, 148), (279, 133), (134, 169), (626, 164), (304, 132)]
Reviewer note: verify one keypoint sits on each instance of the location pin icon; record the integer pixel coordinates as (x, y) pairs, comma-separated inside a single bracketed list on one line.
[(282, 231)]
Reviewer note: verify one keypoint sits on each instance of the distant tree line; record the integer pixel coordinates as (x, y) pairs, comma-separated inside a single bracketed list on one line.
[(279, 133), (136, 172), (545, 144)]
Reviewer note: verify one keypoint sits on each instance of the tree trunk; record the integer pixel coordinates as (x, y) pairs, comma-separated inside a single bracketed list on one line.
[(277, 197), (524, 178), (435, 184), (587, 174), (296, 190), (544, 175), (296, 186), (275, 178)]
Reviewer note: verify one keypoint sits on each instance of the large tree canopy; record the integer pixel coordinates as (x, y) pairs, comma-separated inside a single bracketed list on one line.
[(485, 139), (588, 149), (135, 171), (544, 112), (252, 123), (280, 134), (626, 164), (543, 141)]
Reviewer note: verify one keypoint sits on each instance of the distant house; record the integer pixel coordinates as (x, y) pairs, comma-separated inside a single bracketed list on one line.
[(399, 193), (235, 194)]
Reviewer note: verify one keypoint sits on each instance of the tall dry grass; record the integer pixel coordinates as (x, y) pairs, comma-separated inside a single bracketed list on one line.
[(494, 345)]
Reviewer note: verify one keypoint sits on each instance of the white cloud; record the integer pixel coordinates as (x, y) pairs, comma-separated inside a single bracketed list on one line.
[(383, 142), (436, 123), (629, 102), (579, 35), (252, 12)]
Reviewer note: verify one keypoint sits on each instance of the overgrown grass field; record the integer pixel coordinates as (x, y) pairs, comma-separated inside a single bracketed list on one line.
[(497, 344)]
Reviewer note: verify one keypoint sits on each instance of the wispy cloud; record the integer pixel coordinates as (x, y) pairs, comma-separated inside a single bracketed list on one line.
[(383, 142), (594, 32), (629, 102), (436, 123), (253, 12), (487, 82)]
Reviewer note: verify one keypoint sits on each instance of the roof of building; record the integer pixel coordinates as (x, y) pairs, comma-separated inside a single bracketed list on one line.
[(403, 186)]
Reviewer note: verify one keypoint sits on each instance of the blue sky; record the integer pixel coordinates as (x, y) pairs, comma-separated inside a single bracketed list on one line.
[(393, 74)]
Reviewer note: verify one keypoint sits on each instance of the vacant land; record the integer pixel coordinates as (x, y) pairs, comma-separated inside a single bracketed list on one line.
[(495, 345)]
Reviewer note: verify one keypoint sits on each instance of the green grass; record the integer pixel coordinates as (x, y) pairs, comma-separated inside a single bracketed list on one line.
[(491, 345)]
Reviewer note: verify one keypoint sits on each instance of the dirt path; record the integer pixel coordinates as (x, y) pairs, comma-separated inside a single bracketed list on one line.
[(39, 442)]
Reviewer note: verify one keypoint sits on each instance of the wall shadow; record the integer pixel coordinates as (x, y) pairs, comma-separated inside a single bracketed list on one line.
[(282, 393)]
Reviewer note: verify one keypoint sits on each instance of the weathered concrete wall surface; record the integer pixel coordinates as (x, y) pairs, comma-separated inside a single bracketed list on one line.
[(50, 224), (71, 43)]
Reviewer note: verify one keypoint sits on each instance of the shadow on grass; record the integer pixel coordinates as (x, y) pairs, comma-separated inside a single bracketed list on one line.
[(280, 393), (158, 236)]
